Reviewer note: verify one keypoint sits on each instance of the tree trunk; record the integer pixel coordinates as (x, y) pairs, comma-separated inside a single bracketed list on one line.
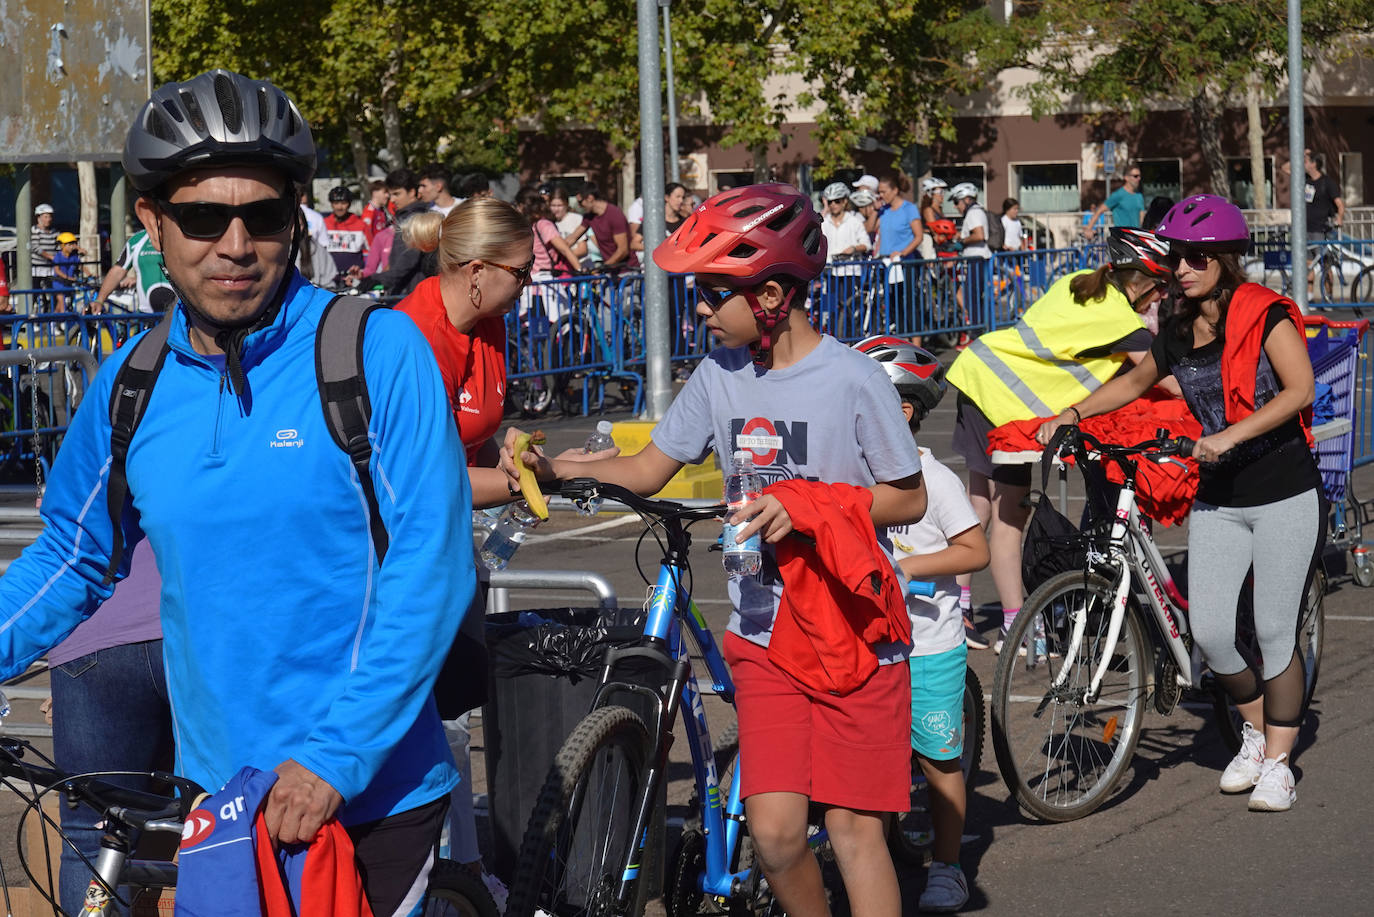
[(391, 112), (1207, 114), (628, 166), (1256, 135), (89, 229), (760, 163), (358, 145)]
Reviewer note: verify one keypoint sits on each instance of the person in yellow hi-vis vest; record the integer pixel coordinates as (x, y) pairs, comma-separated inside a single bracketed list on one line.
[(1073, 339)]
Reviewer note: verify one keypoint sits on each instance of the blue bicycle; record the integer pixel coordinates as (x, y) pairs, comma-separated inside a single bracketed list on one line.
[(596, 828), (593, 831)]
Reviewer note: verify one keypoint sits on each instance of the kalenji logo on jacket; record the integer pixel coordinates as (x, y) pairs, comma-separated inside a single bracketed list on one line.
[(287, 439)]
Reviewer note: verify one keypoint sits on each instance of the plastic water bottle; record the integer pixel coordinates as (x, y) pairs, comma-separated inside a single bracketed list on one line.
[(510, 532), (599, 441), (1038, 649), (742, 487), (484, 520)]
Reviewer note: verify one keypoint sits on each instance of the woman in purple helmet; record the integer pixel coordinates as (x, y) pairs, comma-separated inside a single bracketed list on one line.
[(1239, 353)]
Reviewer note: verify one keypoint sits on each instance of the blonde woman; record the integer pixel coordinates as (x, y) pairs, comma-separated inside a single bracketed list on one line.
[(485, 256)]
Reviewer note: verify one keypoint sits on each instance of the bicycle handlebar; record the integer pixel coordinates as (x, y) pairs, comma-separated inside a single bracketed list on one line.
[(586, 489), (1162, 445), (134, 808)]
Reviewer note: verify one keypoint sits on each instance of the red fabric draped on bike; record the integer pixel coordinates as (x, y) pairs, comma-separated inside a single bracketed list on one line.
[(1164, 490)]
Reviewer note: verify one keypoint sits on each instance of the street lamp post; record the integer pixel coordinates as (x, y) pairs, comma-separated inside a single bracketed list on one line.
[(657, 349)]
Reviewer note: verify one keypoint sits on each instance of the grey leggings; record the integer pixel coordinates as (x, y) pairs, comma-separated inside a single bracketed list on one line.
[(1279, 540)]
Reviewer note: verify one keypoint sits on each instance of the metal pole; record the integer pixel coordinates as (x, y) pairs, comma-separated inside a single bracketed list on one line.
[(1298, 174), (23, 231), (657, 347), (673, 170), (119, 211)]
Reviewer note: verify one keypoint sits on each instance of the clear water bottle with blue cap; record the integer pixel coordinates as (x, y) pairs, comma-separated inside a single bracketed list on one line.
[(742, 486), (599, 441)]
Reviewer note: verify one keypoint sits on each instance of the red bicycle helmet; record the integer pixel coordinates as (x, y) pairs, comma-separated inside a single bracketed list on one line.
[(918, 376), (751, 235)]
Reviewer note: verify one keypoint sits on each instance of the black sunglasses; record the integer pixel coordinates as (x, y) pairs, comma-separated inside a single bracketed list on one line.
[(1196, 260), (205, 220), (521, 274), (713, 297)]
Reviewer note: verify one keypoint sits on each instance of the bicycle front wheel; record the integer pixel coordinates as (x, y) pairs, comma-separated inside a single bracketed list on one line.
[(581, 831), (1362, 287), (1060, 752)]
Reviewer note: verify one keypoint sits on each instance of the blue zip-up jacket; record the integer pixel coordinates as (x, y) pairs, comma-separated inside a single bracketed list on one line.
[(283, 638)]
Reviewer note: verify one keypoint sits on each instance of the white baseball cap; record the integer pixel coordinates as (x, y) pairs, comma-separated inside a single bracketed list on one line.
[(867, 181), (42, 209)]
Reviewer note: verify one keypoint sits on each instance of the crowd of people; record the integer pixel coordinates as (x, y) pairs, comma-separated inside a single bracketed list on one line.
[(344, 674)]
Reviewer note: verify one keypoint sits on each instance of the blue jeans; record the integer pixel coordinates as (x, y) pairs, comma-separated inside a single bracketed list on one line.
[(110, 713)]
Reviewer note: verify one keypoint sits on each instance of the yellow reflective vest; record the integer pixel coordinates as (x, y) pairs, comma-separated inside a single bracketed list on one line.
[(1036, 368)]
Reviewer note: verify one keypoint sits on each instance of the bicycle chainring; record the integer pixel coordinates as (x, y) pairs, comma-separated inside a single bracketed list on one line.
[(682, 895)]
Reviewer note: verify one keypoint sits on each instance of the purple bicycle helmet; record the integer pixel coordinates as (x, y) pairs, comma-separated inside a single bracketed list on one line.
[(1206, 222)]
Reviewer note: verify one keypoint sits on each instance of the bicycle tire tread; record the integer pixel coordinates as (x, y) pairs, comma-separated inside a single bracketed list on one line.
[(572, 760)]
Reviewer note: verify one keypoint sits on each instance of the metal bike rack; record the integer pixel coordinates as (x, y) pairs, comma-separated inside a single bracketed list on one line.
[(502, 581)]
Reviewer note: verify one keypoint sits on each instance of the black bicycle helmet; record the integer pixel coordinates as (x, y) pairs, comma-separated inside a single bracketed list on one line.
[(918, 376), (217, 118), (340, 193), (1128, 247)]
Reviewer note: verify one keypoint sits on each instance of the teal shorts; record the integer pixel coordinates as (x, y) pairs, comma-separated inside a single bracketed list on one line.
[(937, 704)]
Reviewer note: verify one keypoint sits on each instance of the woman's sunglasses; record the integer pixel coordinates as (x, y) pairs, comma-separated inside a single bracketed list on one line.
[(521, 274), (204, 220), (1195, 259)]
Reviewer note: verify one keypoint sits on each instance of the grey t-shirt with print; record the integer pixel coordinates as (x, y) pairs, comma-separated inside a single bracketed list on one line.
[(833, 416)]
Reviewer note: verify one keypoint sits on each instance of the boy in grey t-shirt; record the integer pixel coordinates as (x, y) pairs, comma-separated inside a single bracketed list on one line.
[(806, 407)]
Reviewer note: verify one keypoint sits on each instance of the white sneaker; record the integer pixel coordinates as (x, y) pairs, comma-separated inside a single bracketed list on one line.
[(1274, 790), (1001, 639), (1240, 775), (946, 889)]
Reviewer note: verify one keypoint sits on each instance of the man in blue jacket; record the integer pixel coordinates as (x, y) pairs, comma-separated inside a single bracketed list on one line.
[(288, 646)]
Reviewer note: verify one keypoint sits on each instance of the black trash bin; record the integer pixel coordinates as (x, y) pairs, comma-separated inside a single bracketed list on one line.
[(544, 667)]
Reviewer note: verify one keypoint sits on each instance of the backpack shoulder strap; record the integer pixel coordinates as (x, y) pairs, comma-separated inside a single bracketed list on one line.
[(133, 384), (343, 394)]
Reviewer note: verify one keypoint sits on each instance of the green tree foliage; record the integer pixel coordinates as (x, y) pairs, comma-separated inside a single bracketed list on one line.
[(431, 80), (1128, 55)]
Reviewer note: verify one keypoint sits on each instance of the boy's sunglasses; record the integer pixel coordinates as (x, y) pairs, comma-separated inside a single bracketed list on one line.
[(713, 297), (1196, 260), (204, 220)]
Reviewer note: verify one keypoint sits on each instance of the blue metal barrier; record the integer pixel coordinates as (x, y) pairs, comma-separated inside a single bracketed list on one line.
[(563, 344)]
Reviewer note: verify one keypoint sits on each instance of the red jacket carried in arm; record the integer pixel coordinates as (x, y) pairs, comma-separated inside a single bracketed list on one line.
[(840, 596)]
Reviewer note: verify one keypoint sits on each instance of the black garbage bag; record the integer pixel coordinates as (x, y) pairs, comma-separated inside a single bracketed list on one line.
[(545, 667), (563, 642)]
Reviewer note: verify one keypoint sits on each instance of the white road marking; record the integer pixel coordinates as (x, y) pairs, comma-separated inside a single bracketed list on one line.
[(595, 527), (1349, 617)]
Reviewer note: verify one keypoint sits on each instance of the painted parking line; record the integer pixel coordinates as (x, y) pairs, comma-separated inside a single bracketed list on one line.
[(1348, 617)]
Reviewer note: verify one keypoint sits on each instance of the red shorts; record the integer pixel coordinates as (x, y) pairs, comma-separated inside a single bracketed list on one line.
[(852, 751)]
